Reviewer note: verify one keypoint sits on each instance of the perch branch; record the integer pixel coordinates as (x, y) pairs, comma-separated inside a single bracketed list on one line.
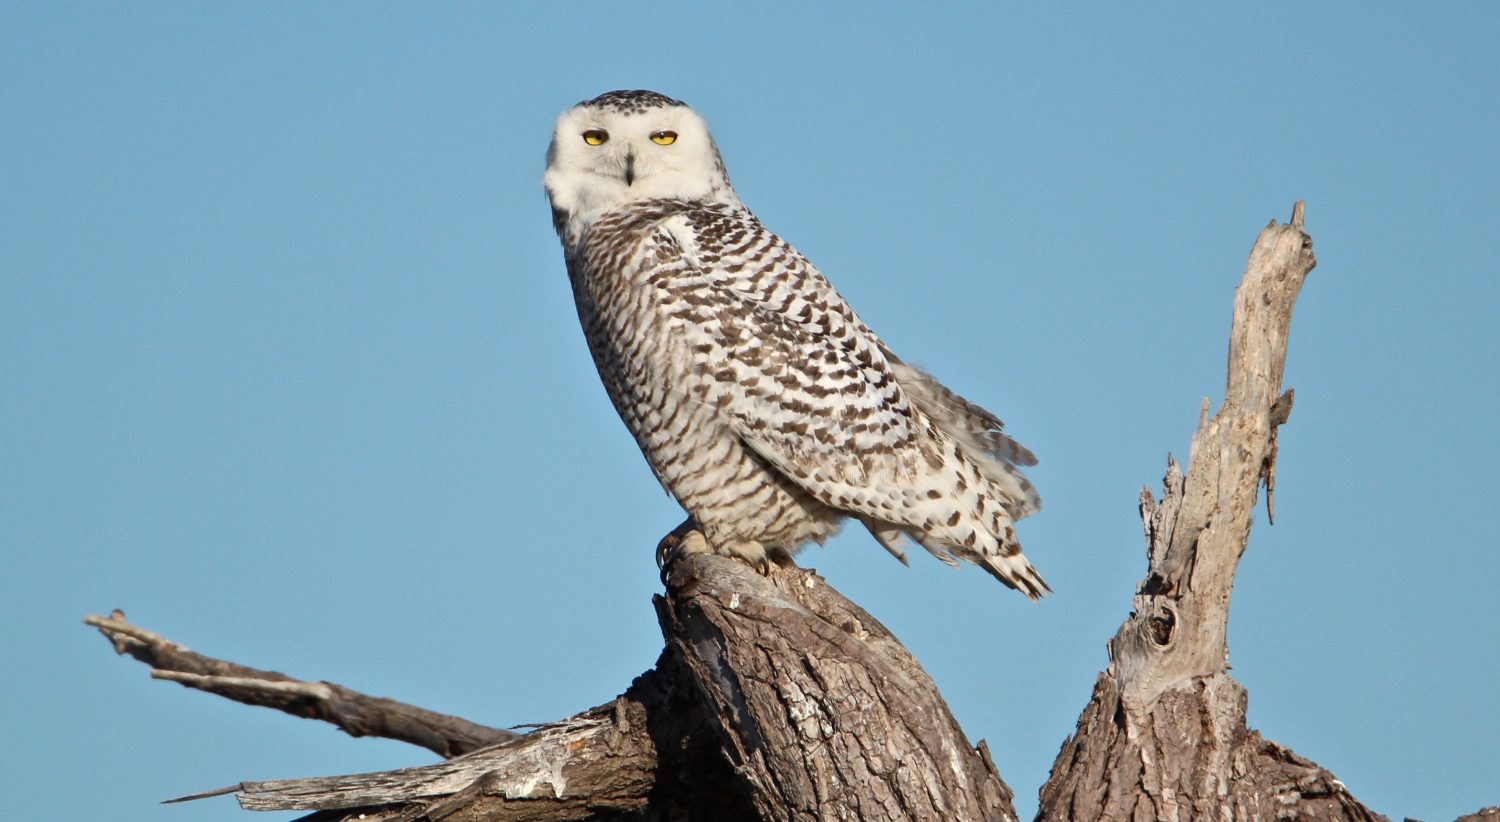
[(354, 713)]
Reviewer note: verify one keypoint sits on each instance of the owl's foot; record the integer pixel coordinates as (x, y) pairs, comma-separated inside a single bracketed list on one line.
[(686, 540), (683, 540), (751, 553)]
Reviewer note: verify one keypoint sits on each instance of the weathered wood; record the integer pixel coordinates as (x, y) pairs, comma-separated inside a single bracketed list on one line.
[(643, 756), (822, 712), (776, 698), (646, 755), (1190, 756), (353, 712), (1164, 735)]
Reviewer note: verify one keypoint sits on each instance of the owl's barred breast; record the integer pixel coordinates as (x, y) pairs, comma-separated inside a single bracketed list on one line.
[(636, 321)]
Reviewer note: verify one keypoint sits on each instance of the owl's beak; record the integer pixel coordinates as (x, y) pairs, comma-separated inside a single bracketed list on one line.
[(629, 167)]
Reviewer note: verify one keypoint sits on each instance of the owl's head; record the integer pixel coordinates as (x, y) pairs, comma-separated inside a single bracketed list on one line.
[(626, 146)]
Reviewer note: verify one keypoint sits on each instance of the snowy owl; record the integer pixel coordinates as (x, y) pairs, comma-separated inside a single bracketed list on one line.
[(762, 402)]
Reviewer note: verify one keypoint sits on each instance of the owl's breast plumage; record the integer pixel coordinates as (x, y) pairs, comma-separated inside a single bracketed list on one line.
[(655, 328)]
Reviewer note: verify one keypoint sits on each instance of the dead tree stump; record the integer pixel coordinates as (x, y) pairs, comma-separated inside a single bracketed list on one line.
[(777, 698)]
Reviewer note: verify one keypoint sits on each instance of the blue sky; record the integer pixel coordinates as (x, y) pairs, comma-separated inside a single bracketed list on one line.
[(292, 375)]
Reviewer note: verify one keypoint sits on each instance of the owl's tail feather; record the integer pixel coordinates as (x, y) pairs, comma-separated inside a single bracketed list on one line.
[(1016, 572), (891, 537), (979, 434)]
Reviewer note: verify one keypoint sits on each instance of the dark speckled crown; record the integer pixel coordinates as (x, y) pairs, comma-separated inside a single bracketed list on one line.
[(633, 101)]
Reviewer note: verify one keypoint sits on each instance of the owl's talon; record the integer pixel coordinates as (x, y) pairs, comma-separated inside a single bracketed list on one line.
[(666, 550), (684, 540)]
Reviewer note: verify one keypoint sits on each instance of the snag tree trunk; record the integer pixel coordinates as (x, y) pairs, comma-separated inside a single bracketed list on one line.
[(1164, 735), (777, 698)]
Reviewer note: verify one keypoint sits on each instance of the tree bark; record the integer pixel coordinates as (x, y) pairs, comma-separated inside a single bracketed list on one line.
[(822, 712)]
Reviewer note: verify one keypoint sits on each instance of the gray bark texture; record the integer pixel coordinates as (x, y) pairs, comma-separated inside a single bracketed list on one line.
[(776, 698), (821, 712)]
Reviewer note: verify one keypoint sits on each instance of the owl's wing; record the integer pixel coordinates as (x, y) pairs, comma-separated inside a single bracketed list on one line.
[(813, 391), (980, 432)]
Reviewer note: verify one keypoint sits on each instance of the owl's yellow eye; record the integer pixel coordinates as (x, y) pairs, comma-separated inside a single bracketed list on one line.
[(596, 137), (664, 138)]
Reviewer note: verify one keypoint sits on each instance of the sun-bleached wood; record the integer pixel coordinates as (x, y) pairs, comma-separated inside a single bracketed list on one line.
[(355, 713), (1164, 734)]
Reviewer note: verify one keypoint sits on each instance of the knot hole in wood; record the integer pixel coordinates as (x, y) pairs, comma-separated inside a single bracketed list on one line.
[(1160, 625)]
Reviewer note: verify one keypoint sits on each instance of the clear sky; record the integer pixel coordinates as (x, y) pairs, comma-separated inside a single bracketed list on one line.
[(289, 368)]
